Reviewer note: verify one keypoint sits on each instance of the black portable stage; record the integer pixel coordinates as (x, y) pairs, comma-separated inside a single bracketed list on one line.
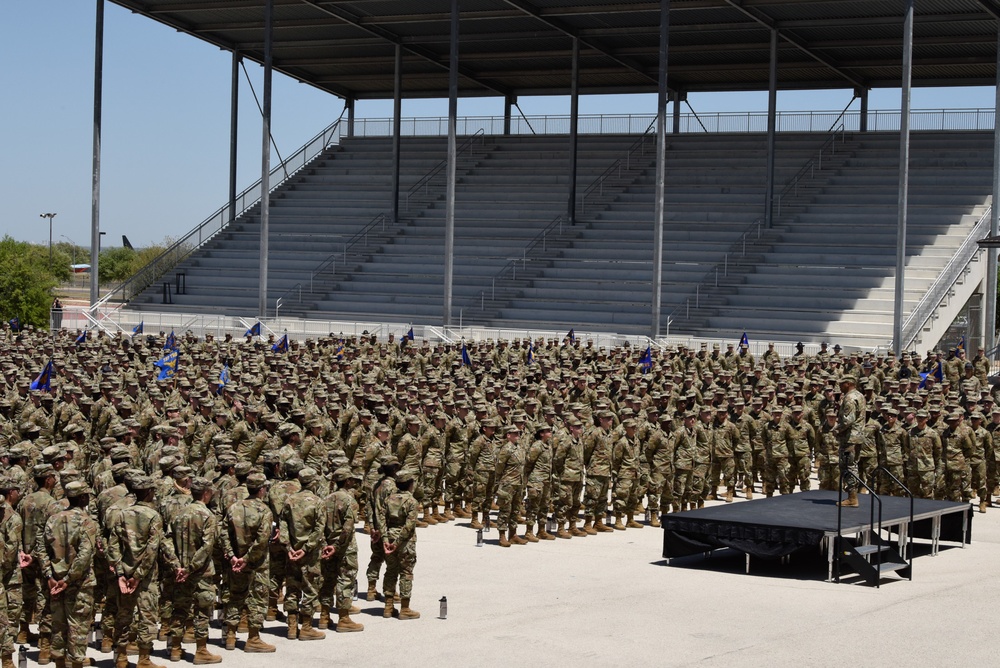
[(780, 526)]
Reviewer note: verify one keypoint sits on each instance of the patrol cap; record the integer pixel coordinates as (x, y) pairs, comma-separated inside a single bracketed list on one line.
[(382, 426), (77, 488), (977, 416), (406, 475), (344, 473), (294, 465), (797, 408), (243, 468), (256, 480), (120, 454), (9, 482), (199, 484), (52, 453), (956, 415), (141, 482), (181, 472), (629, 424), (512, 430), (120, 468), (308, 475), (42, 470)]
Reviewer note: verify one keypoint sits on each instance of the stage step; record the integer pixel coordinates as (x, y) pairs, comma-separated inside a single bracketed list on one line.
[(874, 560)]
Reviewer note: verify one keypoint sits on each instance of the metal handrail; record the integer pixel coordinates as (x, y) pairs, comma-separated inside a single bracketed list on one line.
[(952, 271), (380, 219), (740, 245), (847, 473), (616, 167), (511, 266), (812, 165), (202, 233), (424, 182), (881, 468)]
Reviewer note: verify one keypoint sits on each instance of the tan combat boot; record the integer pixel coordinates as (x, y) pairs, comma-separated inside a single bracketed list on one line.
[(293, 626), (701, 504), (255, 645), (514, 538), (476, 524), (307, 632), (564, 531), (850, 502), (713, 495), (543, 533), (631, 523), (729, 494), (202, 656), (176, 651), (654, 520), (982, 506), (405, 612), (44, 649), (389, 600), (347, 625), (372, 591), (144, 660), (618, 523), (7, 661), (529, 535), (588, 527), (449, 514), (429, 516), (324, 617), (230, 637), (675, 507), (504, 542), (121, 656), (748, 492), (107, 644)]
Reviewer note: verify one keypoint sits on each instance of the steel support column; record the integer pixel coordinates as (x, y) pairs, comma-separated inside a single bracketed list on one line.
[(349, 103), (508, 102), (863, 118), (95, 201), (449, 218), (265, 157), (574, 119), (234, 116), (772, 115), (677, 112), (990, 306), (397, 124), (904, 178), (661, 166)]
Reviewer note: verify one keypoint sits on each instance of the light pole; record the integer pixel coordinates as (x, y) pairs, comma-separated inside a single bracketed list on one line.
[(50, 216)]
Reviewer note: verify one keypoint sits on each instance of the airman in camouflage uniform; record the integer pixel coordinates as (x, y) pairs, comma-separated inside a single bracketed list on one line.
[(67, 561), (597, 451), (924, 463), (538, 484), (568, 469), (340, 554), (400, 544), (891, 441), (510, 487), (481, 467), (36, 509), (134, 550), (246, 535), (376, 511), (851, 431), (301, 526), (10, 570), (956, 452), (625, 467), (191, 538)]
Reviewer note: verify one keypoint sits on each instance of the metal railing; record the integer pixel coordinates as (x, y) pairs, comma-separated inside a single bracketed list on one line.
[(358, 243), (703, 123), (509, 270), (635, 152), (812, 166), (218, 221), (952, 272)]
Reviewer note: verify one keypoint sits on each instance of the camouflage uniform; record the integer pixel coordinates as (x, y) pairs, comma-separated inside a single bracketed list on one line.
[(597, 452), (567, 468), (71, 543), (891, 442), (481, 467), (191, 536), (36, 509), (401, 523), (376, 510), (510, 484), (340, 571), (10, 571), (538, 483), (956, 452), (301, 527), (924, 461), (134, 549), (246, 534), (851, 430)]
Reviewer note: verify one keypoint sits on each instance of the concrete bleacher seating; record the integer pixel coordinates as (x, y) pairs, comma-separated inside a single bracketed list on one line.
[(825, 269)]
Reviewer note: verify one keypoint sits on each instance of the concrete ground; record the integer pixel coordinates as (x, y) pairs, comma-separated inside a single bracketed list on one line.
[(611, 600)]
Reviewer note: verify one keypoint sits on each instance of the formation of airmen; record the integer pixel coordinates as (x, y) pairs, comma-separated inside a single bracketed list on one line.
[(232, 485)]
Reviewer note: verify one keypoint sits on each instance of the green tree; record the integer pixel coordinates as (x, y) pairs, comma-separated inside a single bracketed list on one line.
[(116, 264), (26, 282)]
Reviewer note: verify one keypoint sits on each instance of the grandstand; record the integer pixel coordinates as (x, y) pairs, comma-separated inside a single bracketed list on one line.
[(807, 254)]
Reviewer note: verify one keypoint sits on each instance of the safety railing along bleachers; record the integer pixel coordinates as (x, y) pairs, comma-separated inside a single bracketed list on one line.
[(218, 221)]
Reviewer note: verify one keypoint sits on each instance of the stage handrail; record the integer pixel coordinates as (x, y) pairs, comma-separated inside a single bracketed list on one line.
[(881, 468), (847, 473)]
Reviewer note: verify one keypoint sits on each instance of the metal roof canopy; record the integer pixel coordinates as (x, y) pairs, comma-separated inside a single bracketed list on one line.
[(524, 47)]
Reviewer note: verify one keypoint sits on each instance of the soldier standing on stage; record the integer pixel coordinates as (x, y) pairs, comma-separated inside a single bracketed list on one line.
[(67, 562), (851, 433)]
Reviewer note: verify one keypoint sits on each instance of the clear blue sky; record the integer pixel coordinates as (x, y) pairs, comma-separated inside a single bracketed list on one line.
[(165, 157)]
